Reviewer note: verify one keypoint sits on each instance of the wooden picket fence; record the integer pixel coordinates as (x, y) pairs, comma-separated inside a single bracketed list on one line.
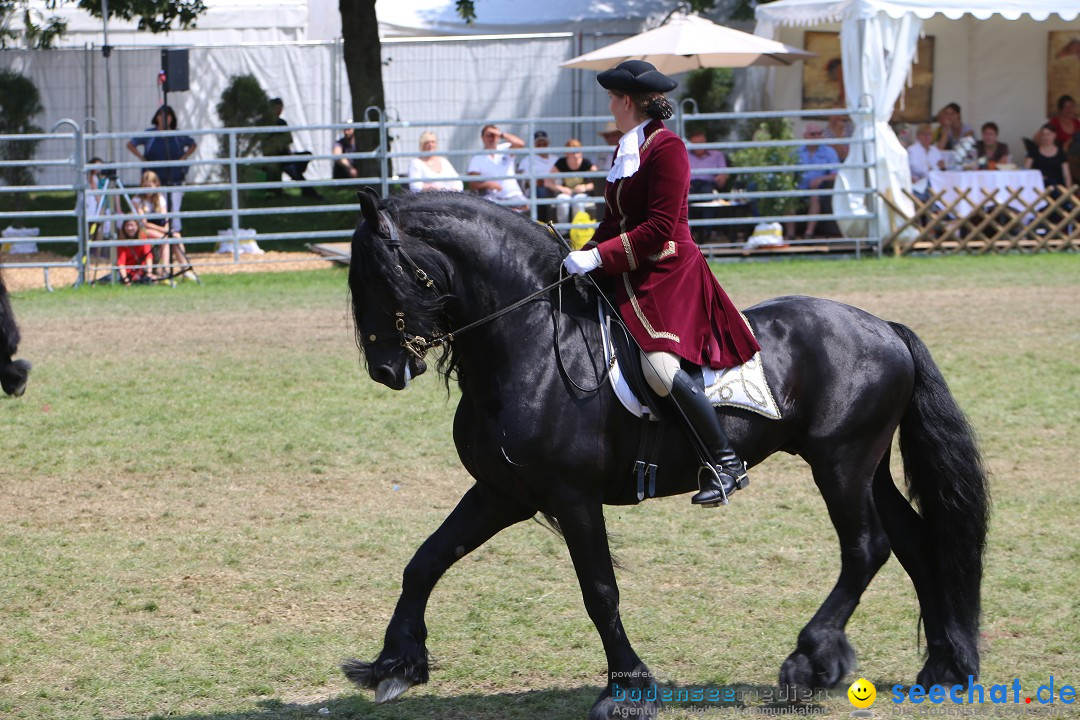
[(1000, 222)]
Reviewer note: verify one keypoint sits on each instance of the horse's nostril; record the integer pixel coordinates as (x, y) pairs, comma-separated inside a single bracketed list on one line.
[(383, 374)]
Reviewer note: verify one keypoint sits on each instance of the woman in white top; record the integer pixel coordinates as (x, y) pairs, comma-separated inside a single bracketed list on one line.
[(151, 203), (431, 171)]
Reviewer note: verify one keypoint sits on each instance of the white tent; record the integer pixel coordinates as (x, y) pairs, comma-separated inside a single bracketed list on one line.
[(878, 42), (496, 17), (224, 22)]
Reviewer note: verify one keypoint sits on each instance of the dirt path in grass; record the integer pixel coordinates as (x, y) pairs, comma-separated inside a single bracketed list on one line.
[(18, 279)]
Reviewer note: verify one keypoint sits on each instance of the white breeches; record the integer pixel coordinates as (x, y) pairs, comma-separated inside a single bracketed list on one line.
[(659, 369)]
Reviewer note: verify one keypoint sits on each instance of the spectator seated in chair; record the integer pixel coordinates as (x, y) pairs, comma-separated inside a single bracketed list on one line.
[(346, 144), (989, 151), (541, 163), (1053, 163), (495, 162), (705, 179), (573, 191), (923, 158), (150, 203), (816, 179), (430, 171)]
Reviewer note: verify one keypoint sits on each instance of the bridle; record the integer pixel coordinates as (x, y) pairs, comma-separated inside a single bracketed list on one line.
[(419, 346)]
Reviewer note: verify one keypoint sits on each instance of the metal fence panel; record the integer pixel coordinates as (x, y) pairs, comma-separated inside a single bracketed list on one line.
[(67, 150)]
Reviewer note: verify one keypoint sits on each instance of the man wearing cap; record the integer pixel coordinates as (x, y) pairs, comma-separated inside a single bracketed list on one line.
[(538, 164), (666, 293), (495, 162)]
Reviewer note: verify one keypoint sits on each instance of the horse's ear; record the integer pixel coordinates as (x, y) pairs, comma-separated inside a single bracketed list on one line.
[(369, 208)]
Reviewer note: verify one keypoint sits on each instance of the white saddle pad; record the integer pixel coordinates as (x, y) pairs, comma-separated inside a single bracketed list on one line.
[(742, 387)]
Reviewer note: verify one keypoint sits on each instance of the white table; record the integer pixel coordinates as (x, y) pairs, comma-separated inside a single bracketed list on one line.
[(998, 182)]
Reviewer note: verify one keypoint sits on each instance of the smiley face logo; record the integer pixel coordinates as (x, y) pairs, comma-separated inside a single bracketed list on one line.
[(862, 693)]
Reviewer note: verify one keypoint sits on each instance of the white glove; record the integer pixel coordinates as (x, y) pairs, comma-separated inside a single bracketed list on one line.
[(580, 262)]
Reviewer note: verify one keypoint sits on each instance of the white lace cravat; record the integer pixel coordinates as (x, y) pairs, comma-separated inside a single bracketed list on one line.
[(628, 157)]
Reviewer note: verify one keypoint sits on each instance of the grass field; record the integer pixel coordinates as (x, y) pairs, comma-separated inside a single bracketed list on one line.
[(205, 505)]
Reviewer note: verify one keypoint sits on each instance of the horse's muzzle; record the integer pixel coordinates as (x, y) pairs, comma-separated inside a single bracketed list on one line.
[(397, 378)]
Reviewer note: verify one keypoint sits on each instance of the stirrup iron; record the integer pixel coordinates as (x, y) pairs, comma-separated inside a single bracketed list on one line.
[(710, 469)]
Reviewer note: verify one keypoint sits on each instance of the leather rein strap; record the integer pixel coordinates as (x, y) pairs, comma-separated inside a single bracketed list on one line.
[(418, 345)]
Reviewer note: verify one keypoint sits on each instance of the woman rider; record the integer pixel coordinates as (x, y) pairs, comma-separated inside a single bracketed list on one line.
[(666, 293)]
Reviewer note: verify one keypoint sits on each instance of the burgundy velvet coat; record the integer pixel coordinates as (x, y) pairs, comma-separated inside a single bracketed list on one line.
[(667, 294)]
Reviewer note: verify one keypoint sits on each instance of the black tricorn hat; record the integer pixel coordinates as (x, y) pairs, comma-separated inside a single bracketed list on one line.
[(636, 76)]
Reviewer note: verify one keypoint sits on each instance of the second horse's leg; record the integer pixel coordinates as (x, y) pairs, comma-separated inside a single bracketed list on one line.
[(823, 656), (403, 661)]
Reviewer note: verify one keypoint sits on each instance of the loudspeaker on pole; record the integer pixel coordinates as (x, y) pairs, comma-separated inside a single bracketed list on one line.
[(174, 63)]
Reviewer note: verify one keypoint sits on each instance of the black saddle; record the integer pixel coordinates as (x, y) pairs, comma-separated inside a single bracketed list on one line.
[(628, 355)]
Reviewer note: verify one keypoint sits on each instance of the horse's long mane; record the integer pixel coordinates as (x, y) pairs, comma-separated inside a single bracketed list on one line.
[(425, 221)]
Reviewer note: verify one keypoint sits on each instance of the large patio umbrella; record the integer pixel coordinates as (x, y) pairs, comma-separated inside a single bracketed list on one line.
[(688, 42)]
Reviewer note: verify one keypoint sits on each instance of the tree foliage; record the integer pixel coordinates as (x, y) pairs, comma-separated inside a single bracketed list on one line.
[(759, 156), (20, 103), (153, 15), (736, 9), (710, 88), (39, 31), (43, 31), (244, 103)]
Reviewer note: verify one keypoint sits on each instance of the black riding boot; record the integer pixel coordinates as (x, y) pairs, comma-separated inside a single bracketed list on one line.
[(728, 472)]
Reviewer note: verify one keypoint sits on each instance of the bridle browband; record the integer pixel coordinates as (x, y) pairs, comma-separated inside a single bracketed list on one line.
[(418, 345)]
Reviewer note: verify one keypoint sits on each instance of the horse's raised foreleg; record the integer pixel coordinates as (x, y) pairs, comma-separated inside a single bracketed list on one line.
[(823, 655), (403, 662), (631, 690)]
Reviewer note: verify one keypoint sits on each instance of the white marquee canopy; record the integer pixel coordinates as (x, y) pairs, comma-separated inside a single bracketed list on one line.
[(878, 40)]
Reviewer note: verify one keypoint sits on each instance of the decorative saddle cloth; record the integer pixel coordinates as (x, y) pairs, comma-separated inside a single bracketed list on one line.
[(742, 387)]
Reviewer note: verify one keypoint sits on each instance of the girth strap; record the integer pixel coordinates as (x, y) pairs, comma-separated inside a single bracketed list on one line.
[(644, 468)]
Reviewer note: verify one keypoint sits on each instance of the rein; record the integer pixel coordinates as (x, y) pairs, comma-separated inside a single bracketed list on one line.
[(418, 345)]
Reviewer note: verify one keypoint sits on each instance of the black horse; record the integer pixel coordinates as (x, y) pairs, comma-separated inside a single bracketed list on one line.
[(845, 380), (13, 373)]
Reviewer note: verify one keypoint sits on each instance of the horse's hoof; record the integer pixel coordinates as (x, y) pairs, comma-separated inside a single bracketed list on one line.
[(390, 688), (17, 377)]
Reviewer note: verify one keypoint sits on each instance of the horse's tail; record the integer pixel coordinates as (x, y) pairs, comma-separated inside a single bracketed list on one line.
[(946, 478)]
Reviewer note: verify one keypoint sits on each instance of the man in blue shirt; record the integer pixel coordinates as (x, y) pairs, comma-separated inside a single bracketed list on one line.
[(817, 179)]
